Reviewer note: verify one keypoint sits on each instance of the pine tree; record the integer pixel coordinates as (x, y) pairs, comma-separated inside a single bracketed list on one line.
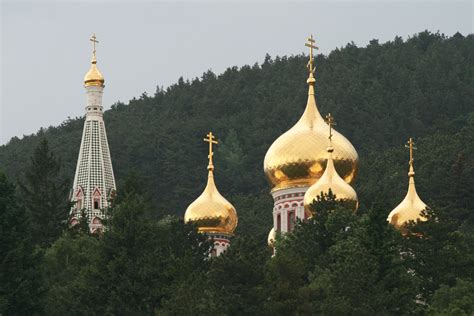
[(20, 281), (44, 194)]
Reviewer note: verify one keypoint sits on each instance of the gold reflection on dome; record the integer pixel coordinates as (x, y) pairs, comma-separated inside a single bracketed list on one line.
[(411, 207), (93, 77), (330, 180), (211, 212), (298, 157)]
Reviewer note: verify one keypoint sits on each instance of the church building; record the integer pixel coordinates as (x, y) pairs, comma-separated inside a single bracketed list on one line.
[(298, 159)]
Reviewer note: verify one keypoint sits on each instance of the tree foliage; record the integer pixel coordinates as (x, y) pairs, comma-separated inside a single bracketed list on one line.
[(148, 261)]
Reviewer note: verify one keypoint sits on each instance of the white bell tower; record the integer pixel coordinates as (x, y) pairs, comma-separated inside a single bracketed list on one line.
[(94, 182)]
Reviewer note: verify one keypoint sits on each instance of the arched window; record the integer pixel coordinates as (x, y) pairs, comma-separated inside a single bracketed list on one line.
[(79, 199), (278, 222), (96, 197)]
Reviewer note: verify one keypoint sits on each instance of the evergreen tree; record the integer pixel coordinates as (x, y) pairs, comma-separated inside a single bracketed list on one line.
[(143, 261), (45, 195), (20, 280), (69, 267), (438, 252), (455, 300), (237, 277)]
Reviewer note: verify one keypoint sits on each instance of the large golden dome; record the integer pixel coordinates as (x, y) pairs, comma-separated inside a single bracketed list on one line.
[(211, 212), (330, 180), (411, 207), (298, 157)]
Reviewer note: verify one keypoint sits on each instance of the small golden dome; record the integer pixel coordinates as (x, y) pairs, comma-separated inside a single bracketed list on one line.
[(331, 180), (271, 237), (411, 207), (93, 77), (211, 212), (298, 157)]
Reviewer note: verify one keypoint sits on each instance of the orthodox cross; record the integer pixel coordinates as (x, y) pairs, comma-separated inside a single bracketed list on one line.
[(310, 43), (211, 139), (331, 122), (411, 145), (94, 40)]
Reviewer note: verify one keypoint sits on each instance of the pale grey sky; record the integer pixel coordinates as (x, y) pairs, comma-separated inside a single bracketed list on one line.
[(45, 50)]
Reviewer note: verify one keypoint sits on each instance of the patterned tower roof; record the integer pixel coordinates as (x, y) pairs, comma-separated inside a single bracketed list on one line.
[(94, 182)]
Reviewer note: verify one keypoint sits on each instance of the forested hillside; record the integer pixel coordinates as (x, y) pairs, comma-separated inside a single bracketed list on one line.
[(380, 95), (335, 263)]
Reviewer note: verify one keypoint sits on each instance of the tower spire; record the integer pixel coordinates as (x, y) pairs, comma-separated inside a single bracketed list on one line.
[(94, 182)]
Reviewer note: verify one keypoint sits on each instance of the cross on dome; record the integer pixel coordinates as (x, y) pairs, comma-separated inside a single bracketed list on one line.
[(211, 139), (331, 122), (311, 44), (94, 40), (411, 145)]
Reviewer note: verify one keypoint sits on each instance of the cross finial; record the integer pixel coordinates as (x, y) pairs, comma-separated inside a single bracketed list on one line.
[(94, 41), (331, 122), (211, 139), (411, 145), (310, 43)]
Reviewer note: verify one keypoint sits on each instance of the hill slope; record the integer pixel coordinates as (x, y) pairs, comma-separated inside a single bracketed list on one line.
[(380, 95)]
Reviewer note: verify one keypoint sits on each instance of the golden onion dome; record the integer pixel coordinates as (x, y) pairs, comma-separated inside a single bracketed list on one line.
[(330, 180), (211, 212), (298, 157), (93, 77), (271, 237), (410, 209)]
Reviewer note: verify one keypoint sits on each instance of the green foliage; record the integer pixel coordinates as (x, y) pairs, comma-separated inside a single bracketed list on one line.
[(20, 282), (455, 300), (69, 265), (380, 95), (337, 262), (438, 252), (45, 195)]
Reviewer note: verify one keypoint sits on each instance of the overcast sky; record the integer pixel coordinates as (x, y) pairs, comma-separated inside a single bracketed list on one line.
[(45, 48)]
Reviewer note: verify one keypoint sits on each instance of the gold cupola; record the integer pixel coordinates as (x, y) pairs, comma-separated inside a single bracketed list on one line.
[(298, 157), (330, 180), (411, 207), (271, 237), (211, 212), (93, 77)]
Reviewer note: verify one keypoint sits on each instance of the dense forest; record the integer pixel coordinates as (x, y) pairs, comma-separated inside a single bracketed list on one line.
[(150, 262)]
